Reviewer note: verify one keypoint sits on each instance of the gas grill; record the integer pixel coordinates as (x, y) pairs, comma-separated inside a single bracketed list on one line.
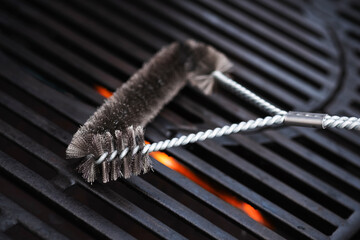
[(60, 58)]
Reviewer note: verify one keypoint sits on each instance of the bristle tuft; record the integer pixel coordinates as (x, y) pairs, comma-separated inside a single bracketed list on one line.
[(116, 163), (137, 159), (128, 141), (203, 62), (98, 145), (87, 169), (106, 142), (144, 160), (79, 146), (132, 165)]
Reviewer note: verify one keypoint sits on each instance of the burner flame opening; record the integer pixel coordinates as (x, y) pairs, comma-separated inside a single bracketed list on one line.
[(173, 164)]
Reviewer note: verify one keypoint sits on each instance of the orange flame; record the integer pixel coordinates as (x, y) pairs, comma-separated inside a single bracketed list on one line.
[(172, 163), (103, 91)]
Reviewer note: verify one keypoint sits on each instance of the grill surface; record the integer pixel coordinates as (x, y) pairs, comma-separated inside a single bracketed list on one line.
[(300, 55)]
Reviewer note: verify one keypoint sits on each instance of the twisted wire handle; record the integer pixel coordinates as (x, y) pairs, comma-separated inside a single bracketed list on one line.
[(246, 94), (200, 136), (280, 117), (350, 123), (217, 132)]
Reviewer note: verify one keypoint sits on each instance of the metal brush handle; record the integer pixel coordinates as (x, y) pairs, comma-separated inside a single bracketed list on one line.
[(280, 117), (244, 126), (305, 119), (244, 93)]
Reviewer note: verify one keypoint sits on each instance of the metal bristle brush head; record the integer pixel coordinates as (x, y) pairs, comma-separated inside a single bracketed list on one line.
[(119, 122)]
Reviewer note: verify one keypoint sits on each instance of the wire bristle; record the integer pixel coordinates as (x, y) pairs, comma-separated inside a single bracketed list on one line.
[(79, 146), (87, 169), (130, 165), (136, 159), (143, 159), (206, 60), (107, 142), (127, 140), (115, 170)]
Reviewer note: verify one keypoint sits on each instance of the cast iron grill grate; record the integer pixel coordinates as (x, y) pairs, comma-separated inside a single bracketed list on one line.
[(299, 55)]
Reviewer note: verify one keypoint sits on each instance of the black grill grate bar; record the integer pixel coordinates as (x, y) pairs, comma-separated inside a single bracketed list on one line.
[(333, 147), (354, 38), (274, 184), (145, 18), (35, 119), (104, 14), (79, 111), (284, 96), (291, 99), (215, 202), (317, 160), (270, 80), (78, 63), (115, 40), (351, 15), (119, 23), (69, 35), (273, 210), (72, 85), (318, 63), (179, 210), (19, 215), (251, 42), (337, 138), (229, 50), (293, 89), (347, 231), (297, 92), (352, 137), (37, 184), (112, 199), (3, 236), (276, 23), (45, 20), (350, 112), (305, 25)]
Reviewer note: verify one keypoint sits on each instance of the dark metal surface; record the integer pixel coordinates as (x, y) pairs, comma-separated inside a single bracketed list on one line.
[(300, 55)]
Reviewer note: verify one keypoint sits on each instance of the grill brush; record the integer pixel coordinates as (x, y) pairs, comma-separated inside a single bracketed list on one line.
[(113, 138), (119, 122)]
